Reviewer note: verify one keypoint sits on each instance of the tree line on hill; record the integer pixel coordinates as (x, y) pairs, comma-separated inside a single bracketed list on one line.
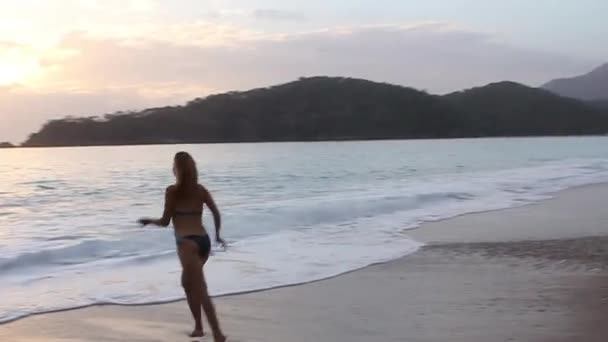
[(332, 108)]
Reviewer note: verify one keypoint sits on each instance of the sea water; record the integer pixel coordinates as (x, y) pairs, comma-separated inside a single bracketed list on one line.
[(292, 212)]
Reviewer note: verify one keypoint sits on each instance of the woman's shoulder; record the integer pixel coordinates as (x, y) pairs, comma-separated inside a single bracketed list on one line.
[(202, 188)]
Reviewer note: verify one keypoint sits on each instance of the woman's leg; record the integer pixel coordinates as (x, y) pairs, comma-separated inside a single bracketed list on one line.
[(209, 308), (191, 268)]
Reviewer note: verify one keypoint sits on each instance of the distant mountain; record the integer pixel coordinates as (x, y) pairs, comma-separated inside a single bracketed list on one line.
[(600, 104), (324, 108), (6, 145), (591, 86), (508, 108)]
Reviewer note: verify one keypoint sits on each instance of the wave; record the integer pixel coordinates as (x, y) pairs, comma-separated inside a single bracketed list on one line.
[(80, 253), (283, 258)]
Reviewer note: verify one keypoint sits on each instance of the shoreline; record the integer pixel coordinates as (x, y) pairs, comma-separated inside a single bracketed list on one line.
[(561, 202), (418, 234), (549, 254), (173, 301), (415, 233)]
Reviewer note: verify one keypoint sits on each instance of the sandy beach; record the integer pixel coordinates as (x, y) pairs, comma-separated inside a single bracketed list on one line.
[(532, 273)]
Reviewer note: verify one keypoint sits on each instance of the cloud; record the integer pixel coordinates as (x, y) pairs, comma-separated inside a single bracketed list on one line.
[(429, 55), (273, 14), (86, 74)]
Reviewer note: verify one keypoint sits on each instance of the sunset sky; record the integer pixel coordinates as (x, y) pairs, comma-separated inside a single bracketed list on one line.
[(89, 57)]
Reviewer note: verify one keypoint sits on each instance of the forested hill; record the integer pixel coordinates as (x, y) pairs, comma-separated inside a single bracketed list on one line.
[(324, 108), (512, 109)]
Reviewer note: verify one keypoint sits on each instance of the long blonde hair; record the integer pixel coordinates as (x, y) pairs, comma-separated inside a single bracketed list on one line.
[(186, 174)]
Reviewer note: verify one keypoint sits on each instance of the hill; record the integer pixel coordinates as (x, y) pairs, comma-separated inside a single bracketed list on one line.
[(324, 108), (512, 109), (591, 86), (600, 104)]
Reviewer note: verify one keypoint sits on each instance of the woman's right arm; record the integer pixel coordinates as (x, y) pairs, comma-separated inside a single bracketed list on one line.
[(167, 212)]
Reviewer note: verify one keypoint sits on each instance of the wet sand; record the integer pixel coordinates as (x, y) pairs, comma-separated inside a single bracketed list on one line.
[(543, 279)]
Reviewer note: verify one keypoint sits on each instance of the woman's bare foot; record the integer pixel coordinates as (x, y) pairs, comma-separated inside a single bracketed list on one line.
[(197, 333), (219, 338)]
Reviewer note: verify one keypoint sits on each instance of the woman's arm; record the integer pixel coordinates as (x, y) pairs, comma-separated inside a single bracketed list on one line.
[(217, 219), (167, 213)]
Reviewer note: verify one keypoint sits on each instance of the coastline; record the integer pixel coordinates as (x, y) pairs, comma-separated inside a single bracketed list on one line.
[(476, 280), (528, 221), (337, 140)]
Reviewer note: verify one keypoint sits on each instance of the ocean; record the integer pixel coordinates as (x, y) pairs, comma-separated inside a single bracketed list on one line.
[(292, 212)]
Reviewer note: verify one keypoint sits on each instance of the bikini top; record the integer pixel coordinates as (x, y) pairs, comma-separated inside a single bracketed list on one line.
[(187, 212)]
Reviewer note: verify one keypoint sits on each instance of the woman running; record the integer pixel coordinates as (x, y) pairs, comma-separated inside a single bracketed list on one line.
[(184, 203)]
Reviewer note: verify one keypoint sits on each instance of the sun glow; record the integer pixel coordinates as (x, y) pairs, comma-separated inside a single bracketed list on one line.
[(16, 68)]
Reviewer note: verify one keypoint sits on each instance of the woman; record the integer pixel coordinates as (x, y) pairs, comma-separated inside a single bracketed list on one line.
[(184, 203)]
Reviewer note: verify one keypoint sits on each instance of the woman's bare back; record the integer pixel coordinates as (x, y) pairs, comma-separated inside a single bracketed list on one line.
[(187, 211)]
